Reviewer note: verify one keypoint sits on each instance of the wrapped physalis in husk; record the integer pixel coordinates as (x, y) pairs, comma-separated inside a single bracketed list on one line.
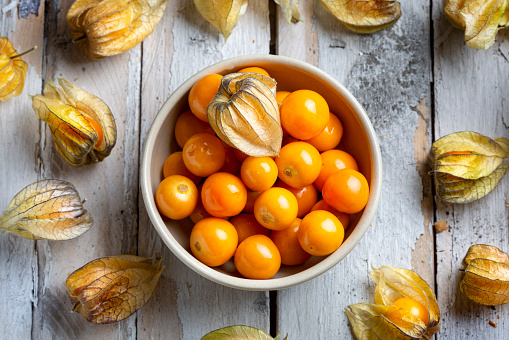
[(480, 19), (239, 333), (110, 289), (48, 209), (102, 28), (222, 14), (81, 124), (245, 114), (397, 293), (467, 165), (364, 16), (12, 70), (486, 279), (290, 9)]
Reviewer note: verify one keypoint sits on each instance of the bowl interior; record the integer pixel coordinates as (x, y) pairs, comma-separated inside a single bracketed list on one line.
[(358, 140)]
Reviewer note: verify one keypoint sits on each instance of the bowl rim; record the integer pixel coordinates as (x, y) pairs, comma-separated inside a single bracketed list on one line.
[(275, 283)]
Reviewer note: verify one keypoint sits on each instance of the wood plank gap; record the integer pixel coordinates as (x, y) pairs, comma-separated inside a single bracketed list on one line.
[(273, 47), (273, 313)]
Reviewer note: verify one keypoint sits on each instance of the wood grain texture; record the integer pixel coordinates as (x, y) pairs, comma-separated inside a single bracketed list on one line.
[(110, 187), (388, 72), (471, 94), (19, 166), (186, 305)]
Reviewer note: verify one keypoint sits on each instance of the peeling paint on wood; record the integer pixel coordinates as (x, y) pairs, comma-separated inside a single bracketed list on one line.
[(27, 7)]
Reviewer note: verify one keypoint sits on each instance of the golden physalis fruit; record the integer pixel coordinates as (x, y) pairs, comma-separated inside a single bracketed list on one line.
[(81, 124), (405, 308), (480, 19), (245, 114), (12, 70), (467, 165), (48, 209), (112, 288), (486, 279), (239, 333), (102, 28), (364, 16)]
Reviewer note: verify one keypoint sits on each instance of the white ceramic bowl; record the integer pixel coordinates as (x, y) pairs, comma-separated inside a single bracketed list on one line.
[(359, 139)]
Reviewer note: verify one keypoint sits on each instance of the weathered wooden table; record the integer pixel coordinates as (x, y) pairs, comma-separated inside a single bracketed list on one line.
[(417, 82)]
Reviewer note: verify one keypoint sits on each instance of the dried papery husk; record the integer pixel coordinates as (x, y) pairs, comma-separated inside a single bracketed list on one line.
[(66, 111), (239, 332), (12, 70), (103, 28), (222, 14), (480, 19), (375, 321), (486, 279), (48, 209), (110, 289), (245, 114), (364, 16), (290, 9)]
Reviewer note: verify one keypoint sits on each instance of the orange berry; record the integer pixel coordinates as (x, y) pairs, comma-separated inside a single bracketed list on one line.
[(202, 93), (199, 213), (280, 96), (241, 157), (174, 165), (320, 233), (330, 136), (231, 163), (408, 306), (98, 129), (223, 195), (251, 198), (346, 190), (188, 125), (247, 225), (306, 196), (276, 208), (304, 114), (204, 154), (213, 241), (257, 257), (298, 164), (176, 197), (254, 69), (332, 161), (287, 242), (344, 218), (258, 173)]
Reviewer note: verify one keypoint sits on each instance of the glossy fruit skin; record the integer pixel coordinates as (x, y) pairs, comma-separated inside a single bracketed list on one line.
[(174, 165), (98, 129), (287, 242), (254, 69), (231, 163), (199, 213), (176, 197), (330, 136), (276, 208), (298, 164), (280, 96), (320, 233), (306, 197), (332, 161), (202, 93), (258, 173), (304, 114), (413, 307), (204, 154), (257, 257), (188, 125), (213, 241), (247, 225), (344, 218), (223, 195), (346, 190), (251, 198)]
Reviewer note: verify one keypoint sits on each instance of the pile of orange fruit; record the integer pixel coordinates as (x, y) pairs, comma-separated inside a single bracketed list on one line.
[(265, 212)]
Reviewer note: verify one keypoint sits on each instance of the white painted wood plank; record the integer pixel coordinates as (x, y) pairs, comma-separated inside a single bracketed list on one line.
[(186, 305), (388, 72), (18, 166), (471, 94), (110, 187)]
